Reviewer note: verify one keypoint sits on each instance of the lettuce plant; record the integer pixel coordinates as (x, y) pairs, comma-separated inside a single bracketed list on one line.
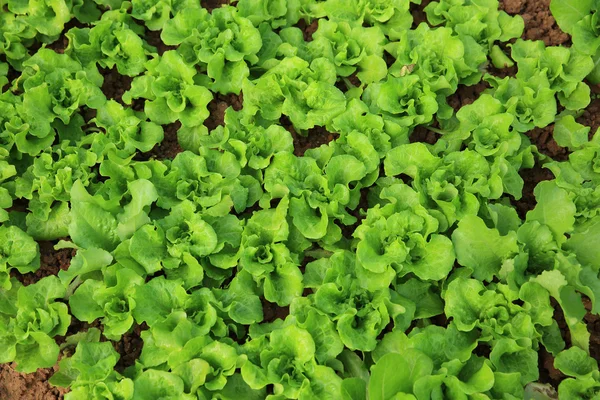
[(17, 35), (450, 186), (399, 236), (47, 18), (254, 146), (111, 300), (277, 13), (565, 69), (359, 314), (213, 181), (580, 19), (90, 374), (580, 174), (31, 317), (156, 13), (392, 17), (438, 56), (352, 49), (3, 74), (325, 187), (170, 92), (112, 41), (479, 20), (303, 91), (222, 43), (126, 131), (19, 251), (99, 222), (56, 86), (183, 241), (265, 256), (380, 133), (47, 185), (582, 371), (406, 101), (286, 360), (438, 361), (7, 172)]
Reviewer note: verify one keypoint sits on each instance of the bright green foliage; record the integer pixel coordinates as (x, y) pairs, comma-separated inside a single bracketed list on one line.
[(296, 200), (479, 20), (580, 19), (112, 300), (265, 256), (303, 91), (113, 41), (170, 92), (253, 145), (30, 318), (285, 358), (126, 132), (18, 250), (391, 16), (437, 56), (399, 236), (16, 36), (359, 314), (221, 42), (277, 13), (450, 186), (55, 86), (565, 69), (47, 185), (90, 374), (531, 102), (156, 13), (351, 48)]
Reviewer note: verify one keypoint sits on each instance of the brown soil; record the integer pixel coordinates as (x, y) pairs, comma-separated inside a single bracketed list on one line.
[(59, 45), (539, 22), (549, 374), (359, 213), (129, 347), (591, 115), (531, 178), (504, 71), (115, 84), (167, 149), (308, 29), (219, 105), (19, 205), (153, 39), (440, 320), (593, 325), (272, 311), (543, 139), (423, 135), (466, 95), (17, 386), (77, 326), (52, 261), (314, 138), (347, 83), (212, 4), (418, 14)]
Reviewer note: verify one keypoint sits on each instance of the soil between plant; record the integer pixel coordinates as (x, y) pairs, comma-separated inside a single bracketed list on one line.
[(539, 25)]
